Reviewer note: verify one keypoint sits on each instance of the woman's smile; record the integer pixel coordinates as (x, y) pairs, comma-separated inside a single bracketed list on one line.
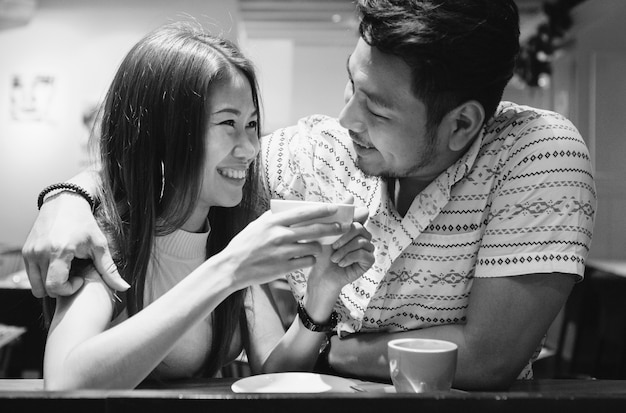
[(230, 173)]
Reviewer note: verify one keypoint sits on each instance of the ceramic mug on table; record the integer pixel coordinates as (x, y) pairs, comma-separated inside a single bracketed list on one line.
[(421, 365), (344, 214)]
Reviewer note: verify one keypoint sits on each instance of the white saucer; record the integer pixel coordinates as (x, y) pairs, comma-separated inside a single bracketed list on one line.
[(293, 382)]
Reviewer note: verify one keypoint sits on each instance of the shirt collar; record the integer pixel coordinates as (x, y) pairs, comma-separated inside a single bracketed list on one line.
[(464, 164)]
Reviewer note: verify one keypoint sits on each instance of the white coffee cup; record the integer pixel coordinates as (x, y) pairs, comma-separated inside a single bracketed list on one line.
[(344, 214), (421, 365)]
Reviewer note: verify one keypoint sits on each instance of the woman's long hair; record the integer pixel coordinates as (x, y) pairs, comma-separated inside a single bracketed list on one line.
[(152, 153)]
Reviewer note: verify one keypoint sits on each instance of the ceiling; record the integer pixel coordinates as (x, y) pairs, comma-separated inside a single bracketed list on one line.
[(15, 13), (323, 18), (279, 18)]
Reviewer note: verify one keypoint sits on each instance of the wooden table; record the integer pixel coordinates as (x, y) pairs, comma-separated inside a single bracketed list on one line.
[(215, 395)]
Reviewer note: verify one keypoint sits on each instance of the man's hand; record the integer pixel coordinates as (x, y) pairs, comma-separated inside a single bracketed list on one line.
[(66, 229), (354, 251), (345, 260)]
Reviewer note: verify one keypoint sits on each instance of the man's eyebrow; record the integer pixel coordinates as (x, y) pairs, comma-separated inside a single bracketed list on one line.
[(372, 97), (348, 67), (379, 101)]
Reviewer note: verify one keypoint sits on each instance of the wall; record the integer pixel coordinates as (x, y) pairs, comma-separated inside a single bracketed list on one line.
[(589, 87), (301, 71), (273, 59), (299, 79), (320, 68), (526, 95), (72, 47), (592, 88), (300, 49)]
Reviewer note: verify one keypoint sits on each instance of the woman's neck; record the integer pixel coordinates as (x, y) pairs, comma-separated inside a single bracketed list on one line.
[(197, 222)]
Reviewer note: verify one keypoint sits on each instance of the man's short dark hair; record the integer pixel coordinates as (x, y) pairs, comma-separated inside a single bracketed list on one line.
[(458, 50)]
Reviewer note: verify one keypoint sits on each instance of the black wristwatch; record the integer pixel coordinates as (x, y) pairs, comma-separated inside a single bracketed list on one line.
[(312, 325)]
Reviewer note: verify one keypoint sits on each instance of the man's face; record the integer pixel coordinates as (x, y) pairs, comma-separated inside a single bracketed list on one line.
[(386, 121)]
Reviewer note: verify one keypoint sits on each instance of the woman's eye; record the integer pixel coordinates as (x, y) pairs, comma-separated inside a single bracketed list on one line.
[(253, 124), (229, 122)]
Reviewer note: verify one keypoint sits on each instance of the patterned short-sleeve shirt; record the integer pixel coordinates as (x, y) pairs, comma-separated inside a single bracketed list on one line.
[(521, 200)]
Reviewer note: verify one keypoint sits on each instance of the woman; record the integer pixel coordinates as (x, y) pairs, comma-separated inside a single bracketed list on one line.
[(179, 134)]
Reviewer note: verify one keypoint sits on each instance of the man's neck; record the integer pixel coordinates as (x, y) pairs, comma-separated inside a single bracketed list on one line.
[(404, 192)]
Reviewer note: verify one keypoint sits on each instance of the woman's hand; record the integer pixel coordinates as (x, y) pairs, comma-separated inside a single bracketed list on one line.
[(275, 244)]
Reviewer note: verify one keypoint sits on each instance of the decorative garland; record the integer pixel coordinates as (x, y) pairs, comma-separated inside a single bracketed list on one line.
[(537, 52)]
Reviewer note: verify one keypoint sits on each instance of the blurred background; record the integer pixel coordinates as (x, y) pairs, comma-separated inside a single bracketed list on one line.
[(57, 58)]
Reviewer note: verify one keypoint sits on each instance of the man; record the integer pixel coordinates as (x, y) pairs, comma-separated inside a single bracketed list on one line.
[(481, 211)]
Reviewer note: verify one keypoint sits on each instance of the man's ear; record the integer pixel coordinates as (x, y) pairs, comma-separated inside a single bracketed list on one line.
[(465, 121)]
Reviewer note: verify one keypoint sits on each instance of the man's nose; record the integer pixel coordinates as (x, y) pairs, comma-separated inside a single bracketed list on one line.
[(350, 116)]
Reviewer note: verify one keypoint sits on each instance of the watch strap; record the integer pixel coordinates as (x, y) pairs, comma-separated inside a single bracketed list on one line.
[(312, 325)]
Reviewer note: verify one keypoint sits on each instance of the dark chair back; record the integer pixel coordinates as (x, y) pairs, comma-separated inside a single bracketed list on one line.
[(592, 342)]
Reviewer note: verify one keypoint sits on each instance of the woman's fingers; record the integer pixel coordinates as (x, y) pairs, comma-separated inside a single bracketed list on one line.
[(300, 225), (348, 200), (315, 231), (286, 241), (300, 262), (356, 230), (361, 214), (300, 215), (296, 250)]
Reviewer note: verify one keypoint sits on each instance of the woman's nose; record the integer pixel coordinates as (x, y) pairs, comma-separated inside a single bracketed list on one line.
[(248, 146)]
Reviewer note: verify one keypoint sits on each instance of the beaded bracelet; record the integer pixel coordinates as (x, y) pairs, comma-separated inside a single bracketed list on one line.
[(68, 187)]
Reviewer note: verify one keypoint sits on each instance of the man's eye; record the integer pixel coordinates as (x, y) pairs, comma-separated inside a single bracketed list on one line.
[(376, 115)]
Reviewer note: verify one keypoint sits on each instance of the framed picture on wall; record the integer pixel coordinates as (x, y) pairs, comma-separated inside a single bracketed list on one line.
[(31, 97)]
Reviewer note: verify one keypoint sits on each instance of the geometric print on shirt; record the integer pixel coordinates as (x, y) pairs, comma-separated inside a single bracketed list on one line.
[(521, 200)]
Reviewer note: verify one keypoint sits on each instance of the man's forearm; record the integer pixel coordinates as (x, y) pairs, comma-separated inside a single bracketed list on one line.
[(362, 355), (365, 354), (88, 179)]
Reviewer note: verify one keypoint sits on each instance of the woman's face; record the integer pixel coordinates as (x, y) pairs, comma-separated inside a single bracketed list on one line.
[(231, 142)]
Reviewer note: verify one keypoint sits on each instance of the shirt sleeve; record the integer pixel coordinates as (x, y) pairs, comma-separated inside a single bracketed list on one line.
[(309, 161), (543, 206), (279, 163)]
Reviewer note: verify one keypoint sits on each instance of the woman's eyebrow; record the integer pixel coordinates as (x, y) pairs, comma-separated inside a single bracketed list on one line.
[(234, 111)]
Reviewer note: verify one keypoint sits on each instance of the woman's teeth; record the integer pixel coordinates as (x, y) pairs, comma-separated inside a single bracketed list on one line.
[(233, 173)]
